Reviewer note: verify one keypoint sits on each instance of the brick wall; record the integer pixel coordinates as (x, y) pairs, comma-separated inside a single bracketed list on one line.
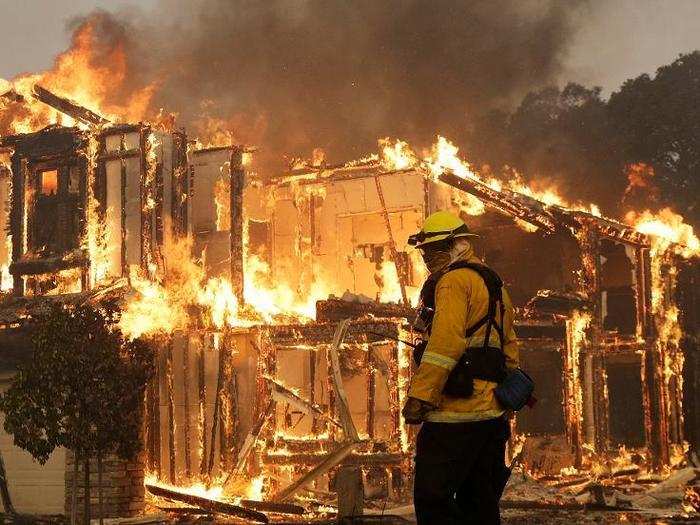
[(122, 482)]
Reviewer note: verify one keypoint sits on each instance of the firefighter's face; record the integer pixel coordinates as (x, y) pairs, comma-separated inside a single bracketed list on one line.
[(436, 256)]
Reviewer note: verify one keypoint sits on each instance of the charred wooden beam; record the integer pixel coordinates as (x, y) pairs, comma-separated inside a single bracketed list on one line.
[(350, 490), (512, 204), (75, 259), (12, 96), (208, 504), (272, 506), (237, 174), (334, 310), (202, 388), (216, 419), (68, 107), (360, 331), (186, 402), (171, 411), (155, 421), (608, 228), (357, 458)]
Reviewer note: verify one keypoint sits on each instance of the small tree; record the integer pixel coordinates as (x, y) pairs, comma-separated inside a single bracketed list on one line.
[(82, 390)]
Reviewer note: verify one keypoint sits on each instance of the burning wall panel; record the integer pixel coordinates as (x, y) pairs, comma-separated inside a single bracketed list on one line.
[(113, 215), (689, 302), (625, 400), (206, 391), (132, 223), (369, 374), (336, 230), (294, 370), (544, 364), (618, 299), (49, 191), (209, 207), (89, 200)]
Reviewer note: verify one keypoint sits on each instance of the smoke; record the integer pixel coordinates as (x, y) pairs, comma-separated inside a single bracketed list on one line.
[(290, 75)]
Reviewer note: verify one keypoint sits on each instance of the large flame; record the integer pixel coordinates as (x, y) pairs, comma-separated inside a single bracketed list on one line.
[(443, 156), (668, 230), (95, 77), (165, 304)]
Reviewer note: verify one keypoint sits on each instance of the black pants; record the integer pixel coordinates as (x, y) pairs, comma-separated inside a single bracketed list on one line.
[(460, 472)]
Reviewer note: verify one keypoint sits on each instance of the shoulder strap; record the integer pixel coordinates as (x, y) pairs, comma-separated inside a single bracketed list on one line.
[(494, 285)]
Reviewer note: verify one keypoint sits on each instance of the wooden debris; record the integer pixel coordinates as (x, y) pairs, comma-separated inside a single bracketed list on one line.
[(333, 459), (237, 178), (339, 389), (272, 506), (68, 107), (334, 310), (282, 393), (12, 96), (208, 504), (186, 402), (202, 409), (350, 490), (250, 440), (171, 411), (185, 510)]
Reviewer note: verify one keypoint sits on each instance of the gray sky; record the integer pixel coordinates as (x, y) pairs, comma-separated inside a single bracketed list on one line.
[(621, 39), (32, 32), (616, 39)]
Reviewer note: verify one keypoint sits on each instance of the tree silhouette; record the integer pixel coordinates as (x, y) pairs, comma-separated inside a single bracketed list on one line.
[(659, 120)]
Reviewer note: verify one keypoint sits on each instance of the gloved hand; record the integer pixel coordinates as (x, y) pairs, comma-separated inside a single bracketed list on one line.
[(415, 410)]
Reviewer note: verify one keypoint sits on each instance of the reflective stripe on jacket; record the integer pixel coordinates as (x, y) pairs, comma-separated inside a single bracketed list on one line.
[(461, 299)]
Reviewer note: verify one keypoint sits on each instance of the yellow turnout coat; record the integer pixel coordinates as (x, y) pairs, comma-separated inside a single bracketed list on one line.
[(461, 300)]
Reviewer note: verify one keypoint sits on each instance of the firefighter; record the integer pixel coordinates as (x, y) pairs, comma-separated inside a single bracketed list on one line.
[(460, 470)]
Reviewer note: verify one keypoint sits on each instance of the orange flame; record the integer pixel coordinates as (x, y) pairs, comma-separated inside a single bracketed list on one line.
[(92, 76), (668, 231)]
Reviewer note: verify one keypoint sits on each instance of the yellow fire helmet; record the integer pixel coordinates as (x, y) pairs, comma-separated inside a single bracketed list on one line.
[(439, 226)]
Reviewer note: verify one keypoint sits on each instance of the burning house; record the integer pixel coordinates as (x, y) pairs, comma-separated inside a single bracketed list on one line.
[(282, 306)]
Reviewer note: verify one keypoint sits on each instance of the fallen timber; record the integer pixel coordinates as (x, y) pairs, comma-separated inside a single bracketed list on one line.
[(336, 376), (282, 393), (68, 107), (272, 506), (331, 460), (543, 505), (249, 442), (211, 505)]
